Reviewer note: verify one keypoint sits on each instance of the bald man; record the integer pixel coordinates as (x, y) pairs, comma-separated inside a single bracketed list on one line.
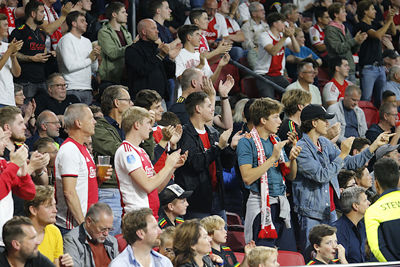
[(147, 64), (48, 125)]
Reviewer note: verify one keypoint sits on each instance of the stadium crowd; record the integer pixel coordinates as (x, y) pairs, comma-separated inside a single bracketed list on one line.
[(122, 150)]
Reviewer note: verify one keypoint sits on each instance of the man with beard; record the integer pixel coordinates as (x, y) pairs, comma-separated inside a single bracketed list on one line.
[(76, 181), (13, 179), (90, 244), (11, 121), (141, 232), (42, 212), (77, 58), (21, 243), (33, 55)]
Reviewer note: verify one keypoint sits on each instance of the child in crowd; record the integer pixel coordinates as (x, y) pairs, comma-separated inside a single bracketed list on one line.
[(215, 227), (263, 257), (324, 242), (173, 205), (167, 241)]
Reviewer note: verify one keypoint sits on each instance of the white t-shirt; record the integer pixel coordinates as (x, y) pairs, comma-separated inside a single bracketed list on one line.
[(71, 162), (314, 91), (266, 63), (244, 11), (6, 79), (127, 159), (186, 60)]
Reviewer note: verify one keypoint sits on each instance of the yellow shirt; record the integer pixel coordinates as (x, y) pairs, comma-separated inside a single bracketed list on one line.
[(52, 244)]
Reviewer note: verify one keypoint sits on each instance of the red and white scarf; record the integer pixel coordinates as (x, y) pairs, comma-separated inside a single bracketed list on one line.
[(267, 226)]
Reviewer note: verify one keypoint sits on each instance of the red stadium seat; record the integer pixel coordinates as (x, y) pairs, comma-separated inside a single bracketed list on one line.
[(235, 239), (290, 258), (233, 219), (370, 111), (249, 87), (239, 256), (121, 242)]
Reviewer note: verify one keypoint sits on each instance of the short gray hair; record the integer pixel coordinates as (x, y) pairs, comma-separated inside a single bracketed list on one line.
[(42, 118), (287, 9), (349, 196), (350, 89), (96, 209), (50, 79), (253, 7), (72, 113), (392, 72)]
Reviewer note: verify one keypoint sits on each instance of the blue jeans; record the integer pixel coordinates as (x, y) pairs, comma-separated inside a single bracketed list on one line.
[(196, 3), (373, 82), (306, 223), (286, 239), (112, 197), (216, 209), (237, 53), (84, 96)]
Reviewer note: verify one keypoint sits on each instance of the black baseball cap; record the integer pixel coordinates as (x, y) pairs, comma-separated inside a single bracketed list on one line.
[(172, 192), (313, 111)]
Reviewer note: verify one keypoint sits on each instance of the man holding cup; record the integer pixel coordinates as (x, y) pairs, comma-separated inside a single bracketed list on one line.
[(76, 181), (107, 137)]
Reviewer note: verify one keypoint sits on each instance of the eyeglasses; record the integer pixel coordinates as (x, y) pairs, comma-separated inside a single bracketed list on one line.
[(53, 122), (125, 99), (106, 230), (60, 85), (392, 114)]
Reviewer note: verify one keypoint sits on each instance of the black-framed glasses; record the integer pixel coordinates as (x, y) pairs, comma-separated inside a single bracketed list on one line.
[(60, 85)]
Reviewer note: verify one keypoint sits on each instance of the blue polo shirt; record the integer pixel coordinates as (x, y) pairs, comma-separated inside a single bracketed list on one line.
[(352, 238)]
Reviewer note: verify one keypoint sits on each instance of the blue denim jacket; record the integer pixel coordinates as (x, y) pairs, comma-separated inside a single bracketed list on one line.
[(315, 170)]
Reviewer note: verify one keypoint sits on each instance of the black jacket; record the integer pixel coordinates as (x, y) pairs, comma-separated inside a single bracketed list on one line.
[(145, 70), (194, 175)]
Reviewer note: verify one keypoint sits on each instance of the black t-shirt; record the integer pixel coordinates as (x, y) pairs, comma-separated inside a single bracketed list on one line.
[(34, 43), (44, 102), (39, 261), (371, 49), (227, 255), (317, 262)]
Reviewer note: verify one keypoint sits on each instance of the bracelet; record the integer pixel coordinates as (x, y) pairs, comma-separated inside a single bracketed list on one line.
[(224, 97)]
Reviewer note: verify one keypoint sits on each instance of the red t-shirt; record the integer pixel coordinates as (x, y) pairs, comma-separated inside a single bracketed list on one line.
[(212, 168), (100, 256)]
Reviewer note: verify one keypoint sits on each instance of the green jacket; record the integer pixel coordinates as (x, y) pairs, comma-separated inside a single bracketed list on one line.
[(341, 45), (112, 53), (106, 141)]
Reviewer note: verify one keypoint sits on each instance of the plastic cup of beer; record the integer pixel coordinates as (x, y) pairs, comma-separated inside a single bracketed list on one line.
[(103, 164)]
